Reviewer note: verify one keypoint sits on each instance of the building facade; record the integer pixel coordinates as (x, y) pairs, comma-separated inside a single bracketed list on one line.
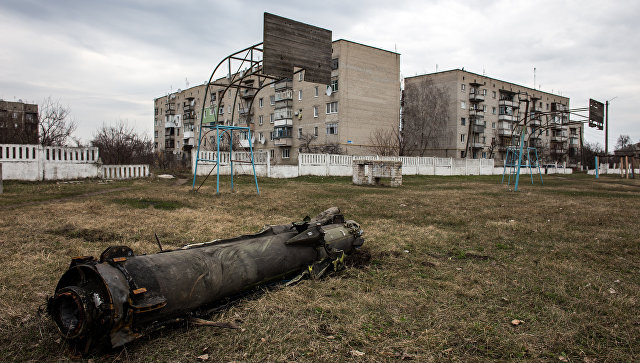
[(293, 116), (18, 123), (483, 114)]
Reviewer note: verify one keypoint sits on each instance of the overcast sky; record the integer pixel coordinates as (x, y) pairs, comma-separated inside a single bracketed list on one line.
[(108, 60)]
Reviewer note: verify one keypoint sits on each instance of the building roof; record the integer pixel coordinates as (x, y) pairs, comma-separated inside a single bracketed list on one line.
[(480, 75)]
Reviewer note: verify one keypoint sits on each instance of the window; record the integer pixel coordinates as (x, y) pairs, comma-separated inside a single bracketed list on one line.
[(260, 103), (462, 87), (461, 137), (484, 154), (494, 94), (334, 85), (547, 107), (299, 95), (315, 91), (285, 152), (334, 63), (271, 118), (15, 114), (315, 131), (332, 107), (332, 128), (260, 120), (221, 111), (272, 153), (272, 100), (462, 154), (484, 91), (260, 136), (493, 110), (300, 76), (315, 111), (155, 134), (484, 108), (493, 125), (462, 121), (299, 132), (463, 104), (271, 136)]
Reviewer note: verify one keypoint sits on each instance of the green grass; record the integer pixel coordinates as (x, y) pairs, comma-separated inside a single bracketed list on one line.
[(452, 261)]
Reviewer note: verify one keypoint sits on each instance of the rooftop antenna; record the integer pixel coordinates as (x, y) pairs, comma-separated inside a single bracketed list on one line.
[(534, 77), (186, 82), (483, 70), (436, 67)]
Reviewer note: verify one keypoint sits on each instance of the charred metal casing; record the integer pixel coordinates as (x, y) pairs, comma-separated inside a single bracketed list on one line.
[(114, 300)]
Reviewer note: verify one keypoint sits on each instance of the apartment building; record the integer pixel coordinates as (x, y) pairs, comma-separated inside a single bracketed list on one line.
[(482, 114), (293, 116), (18, 123)]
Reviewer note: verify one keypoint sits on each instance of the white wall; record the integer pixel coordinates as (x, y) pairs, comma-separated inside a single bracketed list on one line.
[(341, 165), (35, 162)]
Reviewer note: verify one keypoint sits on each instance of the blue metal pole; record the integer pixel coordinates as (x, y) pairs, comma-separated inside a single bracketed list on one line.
[(519, 160), (597, 167), (218, 159), (529, 162), (538, 163), (231, 155), (253, 165)]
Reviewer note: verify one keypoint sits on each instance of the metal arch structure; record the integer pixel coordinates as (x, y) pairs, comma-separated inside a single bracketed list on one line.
[(287, 44), (516, 150)]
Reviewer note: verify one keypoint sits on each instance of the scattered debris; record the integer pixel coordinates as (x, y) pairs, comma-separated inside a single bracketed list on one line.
[(203, 357), (203, 322), (516, 322), (612, 290), (357, 353), (166, 176)]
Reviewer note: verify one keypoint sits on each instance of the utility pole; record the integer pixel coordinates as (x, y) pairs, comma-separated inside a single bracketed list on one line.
[(606, 129)]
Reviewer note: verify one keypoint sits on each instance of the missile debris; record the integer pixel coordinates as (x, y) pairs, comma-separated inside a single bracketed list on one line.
[(110, 301)]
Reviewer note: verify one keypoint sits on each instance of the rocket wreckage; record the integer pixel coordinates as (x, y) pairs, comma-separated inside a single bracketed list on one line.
[(110, 301)]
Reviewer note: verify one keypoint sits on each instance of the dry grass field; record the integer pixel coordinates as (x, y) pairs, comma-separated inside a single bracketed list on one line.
[(453, 260)]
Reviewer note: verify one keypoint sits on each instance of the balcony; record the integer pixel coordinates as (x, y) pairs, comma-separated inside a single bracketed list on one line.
[(476, 97), (245, 143), (170, 124), (171, 109), (477, 145), (189, 115), (284, 95), (557, 138), (285, 141), (505, 132), (476, 112), (284, 103), (248, 93), (244, 110), (510, 118), (283, 122), (187, 134), (477, 129), (282, 113), (283, 85), (535, 122), (558, 150), (510, 103)]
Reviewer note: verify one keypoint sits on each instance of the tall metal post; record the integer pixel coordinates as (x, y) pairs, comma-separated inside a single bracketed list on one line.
[(524, 127), (231, 156), (606, 129), (597, 167)]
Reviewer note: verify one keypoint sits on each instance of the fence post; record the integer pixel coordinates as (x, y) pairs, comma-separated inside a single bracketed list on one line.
[(450, 166), (327, 158), (269, 164), (1, 178)]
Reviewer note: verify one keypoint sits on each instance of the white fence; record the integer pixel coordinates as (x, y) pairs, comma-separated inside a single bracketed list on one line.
[(341, 165), (35, 162), (605, 169)]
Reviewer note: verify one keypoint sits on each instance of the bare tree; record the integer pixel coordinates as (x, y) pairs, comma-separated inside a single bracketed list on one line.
[(305, 142), (120, 144), (386, 142), (55, 125), (425, 118), (624, 142), (330, 148)]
